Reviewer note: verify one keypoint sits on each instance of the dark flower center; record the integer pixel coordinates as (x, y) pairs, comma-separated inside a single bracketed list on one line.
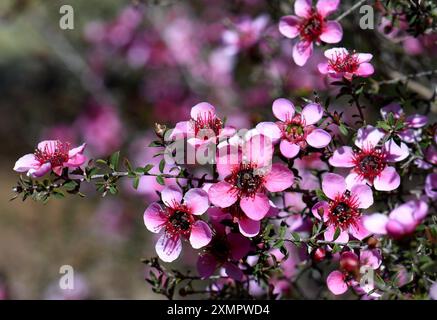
[(312, 27), (246, 180), (343, 211), (369, 163), (179, 221), (57, 155), (207, 125), (344, 62)]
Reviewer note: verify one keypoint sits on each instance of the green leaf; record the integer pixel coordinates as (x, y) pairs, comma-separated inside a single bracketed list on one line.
[(343, 129), (162, 165), (321, 195), (136, 182), (114, 160), (147, 168), (336, 234), (160, 180), (70, 185), (295, 236)]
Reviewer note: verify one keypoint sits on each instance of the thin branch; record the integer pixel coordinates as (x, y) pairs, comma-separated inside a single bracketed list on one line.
[(347, 12)]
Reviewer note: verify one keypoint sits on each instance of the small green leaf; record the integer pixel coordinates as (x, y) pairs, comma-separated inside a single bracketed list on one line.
[(162, 165), (336, 233), (321, 195), (136, 182), (343, 129), (160, 180), (147, 168), (295, 236), (114, 160), (70, 185)]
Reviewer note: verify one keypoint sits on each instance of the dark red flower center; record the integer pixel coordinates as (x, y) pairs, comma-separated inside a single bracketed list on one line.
[(344, 62), (207, 125), (246, 180), (179, 221), (56, 154), (312, 27), (369, 163), (343, 211)]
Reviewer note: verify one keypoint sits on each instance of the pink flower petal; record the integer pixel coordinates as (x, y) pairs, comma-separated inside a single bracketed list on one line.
[(171, 195), (302, 8), (228, 156), (238, 245), (323, 68), (222, 194), (259, 150), (364, 57), (283, 109), (321, 206), (330, 232), (279, 178), (333, 185), (376, 223), (358, 230), (363, 194), (343, 157), (168, 248), (332, 53), (416, 121), (326, 7), (289, 26), (26, 162), (40, 171), (312, 113), (396, 153), (395, 228), (302, 51), (318, 138), (336, 282), (255, 207), (371, 258), (197, 200), (365, 69), (76, 150), (181, 131), (248, 227), (332, 33), (387, 180), (200, 234), (153, 217), (203, 110), (394, 108), (368, 137), (50, 145), (206, 265), (288, 149), (269, 129)]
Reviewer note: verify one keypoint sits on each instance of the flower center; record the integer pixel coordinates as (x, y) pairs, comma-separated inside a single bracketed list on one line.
[(219, 248), (343, 211), (369, 163), (56, 154), (246, 180), (206, 125), (294, 130), (344, 62), (179, 221), (312, 27)]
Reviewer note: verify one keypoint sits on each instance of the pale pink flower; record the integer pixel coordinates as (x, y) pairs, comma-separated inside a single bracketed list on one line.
[(341, 63), (295, 131), (343, 209), (401, 221), (311, 26), (247, 176), (370, 161), (50, 155), (178, 218)]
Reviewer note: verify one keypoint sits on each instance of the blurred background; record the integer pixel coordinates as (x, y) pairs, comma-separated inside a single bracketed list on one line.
[(125, 66)]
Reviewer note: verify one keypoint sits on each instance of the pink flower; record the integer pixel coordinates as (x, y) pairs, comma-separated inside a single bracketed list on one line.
[(344, 208), (431, 186), (401, 221), (203, 127), (50, 155), (246, 179), (339, 281), (295, 130), (225, 249), (410, 132), (342, 63), (179, 218), (310, 25), (370, 161)]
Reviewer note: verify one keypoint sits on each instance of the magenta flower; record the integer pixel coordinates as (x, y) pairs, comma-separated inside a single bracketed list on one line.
[(341, 63), (344, 208), (225, 250), (339, 281), (412, 123), (370, 161), (50, 155), (203, 127), (310, 25), (401, 221), (246, 180), (295, 130), (179, 218), (431, 186)]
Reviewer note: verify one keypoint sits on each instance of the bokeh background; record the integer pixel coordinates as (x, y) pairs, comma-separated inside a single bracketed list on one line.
[(125, 66)]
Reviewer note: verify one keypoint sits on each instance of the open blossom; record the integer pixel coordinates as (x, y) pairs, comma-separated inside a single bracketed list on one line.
[(203, 127), (401, 221), (50, 155), (370, 161), (344, 208), (351, 272), (411, 124), (295, 131), (246, 180), (225, 249), (342, 63), (178, 218), (311, 26)]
